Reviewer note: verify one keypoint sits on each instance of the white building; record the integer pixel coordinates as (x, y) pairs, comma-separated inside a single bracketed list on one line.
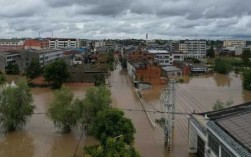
[(193, 48), (11, 44), (60, 43), (7, 58), (239, 50), (223, 133), (165, 58), (234, 43)]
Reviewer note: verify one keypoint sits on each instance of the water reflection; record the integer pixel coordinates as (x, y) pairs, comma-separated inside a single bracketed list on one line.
[(15, 144), (222, 80)]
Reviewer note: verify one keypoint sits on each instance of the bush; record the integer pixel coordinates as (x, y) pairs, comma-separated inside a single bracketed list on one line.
[(222, 66), (246, 83)]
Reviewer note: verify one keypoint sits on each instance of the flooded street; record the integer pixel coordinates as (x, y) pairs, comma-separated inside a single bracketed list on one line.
[(39, 137)]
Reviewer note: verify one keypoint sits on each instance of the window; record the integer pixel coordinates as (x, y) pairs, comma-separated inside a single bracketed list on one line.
[(213, 144), (226, 153)]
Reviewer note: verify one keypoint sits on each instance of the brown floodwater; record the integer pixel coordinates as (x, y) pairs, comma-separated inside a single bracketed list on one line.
[(39, 137)]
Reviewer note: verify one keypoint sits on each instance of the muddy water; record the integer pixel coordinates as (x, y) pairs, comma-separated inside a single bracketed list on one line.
[(39, 137)]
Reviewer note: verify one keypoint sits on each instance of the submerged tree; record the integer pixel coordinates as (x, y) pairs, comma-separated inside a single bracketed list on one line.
[(64, 110), (56, 73), (2, 78), (33, 69), (113, 123), (96, 99), (15, 106), (222, 66), (219, 105), (112, 147), (246, 83)]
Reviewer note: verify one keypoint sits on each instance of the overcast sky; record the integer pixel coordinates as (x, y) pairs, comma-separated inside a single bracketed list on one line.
[(103, 19)]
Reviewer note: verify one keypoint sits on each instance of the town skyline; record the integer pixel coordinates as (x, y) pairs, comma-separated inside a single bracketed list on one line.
[(117, 19)]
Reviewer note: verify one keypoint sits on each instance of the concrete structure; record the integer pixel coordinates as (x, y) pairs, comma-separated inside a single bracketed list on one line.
[(165, 58), (223, 133), (11, 44), (196, 48), (8, 58), (139, 55), (141, 72), (36, 44), (44, 56), (62, 43), (171, 71), (234, 43), (238, 50)]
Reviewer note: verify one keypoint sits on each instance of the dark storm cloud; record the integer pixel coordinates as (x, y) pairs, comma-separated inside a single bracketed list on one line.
[(126, 18)]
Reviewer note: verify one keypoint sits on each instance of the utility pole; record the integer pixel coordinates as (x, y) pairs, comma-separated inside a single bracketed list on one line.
[(168, 101)]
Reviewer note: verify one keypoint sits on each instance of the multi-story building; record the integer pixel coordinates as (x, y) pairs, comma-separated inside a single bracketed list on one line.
[(36, 44), (222, 133), (239, 50), (43, 56), (165, 58), (11, 44), (8, 58), (62, 43), (193, 48), (234, 43), (196, 48)]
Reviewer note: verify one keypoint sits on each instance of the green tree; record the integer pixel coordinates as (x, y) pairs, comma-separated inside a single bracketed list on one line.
[(246, 54), (113, 123), (56, 73), (2, 78), (33, 69), (246, 83), (222, 65), (219, 105), (96, 99), (15, 106), (64, 110), (210, 52), (112, 148), (12, 68)]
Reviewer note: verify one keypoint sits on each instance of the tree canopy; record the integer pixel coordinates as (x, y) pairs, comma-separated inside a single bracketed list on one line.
[(112, 148), (2, 78), (246, 83), (246, 54), (219, 105), (210, 52), (33, 69), (96, 99), (56, 73), (64, 110), (15, 106), (222, 65), (113, 123)]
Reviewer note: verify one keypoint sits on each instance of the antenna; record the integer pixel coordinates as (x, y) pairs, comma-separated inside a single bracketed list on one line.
[(51, 34)]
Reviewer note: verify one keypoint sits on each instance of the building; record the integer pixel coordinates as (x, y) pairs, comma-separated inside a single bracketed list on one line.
[(222, 133), (36, 44), (43, 56), (234, 43), (193, 48), (139, 55), (63, 43), (148, 73), (7, 58), (238, 50), (11, 44), (171, 71), (165, 58)]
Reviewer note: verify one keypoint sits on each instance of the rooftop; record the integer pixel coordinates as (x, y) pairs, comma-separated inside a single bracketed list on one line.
[(171, 68), (235, 121)]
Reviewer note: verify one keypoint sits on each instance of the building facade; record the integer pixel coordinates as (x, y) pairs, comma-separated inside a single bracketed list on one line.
[(193, 48), (11, 44), (165, 58), (234, 43), (8, 58), (36, 44), (43, 56), (63, 43)]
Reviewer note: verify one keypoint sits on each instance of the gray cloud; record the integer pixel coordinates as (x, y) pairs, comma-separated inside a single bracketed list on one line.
[(167, 19)]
